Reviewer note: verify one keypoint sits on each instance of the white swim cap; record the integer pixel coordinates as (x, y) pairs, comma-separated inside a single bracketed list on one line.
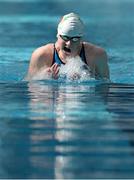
[(71, 25)]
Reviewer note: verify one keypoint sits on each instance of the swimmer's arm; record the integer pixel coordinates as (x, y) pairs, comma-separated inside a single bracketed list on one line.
[(101, 66), (37, 62), (40, 63)]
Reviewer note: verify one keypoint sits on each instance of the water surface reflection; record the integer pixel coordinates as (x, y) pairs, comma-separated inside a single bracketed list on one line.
[(86, 140)]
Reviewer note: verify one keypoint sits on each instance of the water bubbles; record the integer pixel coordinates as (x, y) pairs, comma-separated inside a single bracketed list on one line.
[(75, 69)]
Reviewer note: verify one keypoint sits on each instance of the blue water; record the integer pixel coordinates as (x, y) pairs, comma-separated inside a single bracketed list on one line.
[(52, 129)]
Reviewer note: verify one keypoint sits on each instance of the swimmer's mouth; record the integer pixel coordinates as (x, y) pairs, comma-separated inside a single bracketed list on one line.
[(67, 50)]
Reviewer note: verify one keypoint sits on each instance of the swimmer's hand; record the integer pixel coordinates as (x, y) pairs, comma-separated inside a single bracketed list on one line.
[(45, 73), (53, 71)]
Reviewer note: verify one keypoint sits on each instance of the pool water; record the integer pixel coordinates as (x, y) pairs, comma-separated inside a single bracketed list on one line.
[(54, 129)]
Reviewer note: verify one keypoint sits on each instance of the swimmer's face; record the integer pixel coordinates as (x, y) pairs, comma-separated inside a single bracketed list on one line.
[(69, 45)]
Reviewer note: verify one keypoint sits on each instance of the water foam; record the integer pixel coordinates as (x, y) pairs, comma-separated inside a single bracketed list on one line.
[(75, 69)]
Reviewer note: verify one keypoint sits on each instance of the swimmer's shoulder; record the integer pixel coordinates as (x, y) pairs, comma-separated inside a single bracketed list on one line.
[(41, 58), (43, 54), (98, 59), (94, 53), (93, 49)]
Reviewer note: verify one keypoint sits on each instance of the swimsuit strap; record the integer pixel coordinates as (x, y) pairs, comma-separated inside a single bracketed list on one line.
[(56, 58), (82, 54)]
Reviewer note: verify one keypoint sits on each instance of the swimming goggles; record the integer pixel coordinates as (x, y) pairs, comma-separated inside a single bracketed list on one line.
[(67, 38)]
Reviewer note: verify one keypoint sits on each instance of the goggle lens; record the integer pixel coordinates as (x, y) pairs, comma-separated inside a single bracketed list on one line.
[(67, 38)]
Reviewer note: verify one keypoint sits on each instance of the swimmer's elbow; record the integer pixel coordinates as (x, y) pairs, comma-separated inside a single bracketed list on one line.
[(35, 64), (28, 76), (102, 68), (102, 72), (32, 70)]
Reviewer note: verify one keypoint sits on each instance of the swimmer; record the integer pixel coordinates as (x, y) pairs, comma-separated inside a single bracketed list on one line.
[(46, 60)]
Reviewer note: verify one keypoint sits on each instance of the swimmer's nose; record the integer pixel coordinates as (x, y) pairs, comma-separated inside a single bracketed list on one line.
[(68, 42)]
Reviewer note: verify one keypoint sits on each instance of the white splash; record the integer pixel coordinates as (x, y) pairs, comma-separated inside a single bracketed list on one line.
[(75, 69), (41, 75)]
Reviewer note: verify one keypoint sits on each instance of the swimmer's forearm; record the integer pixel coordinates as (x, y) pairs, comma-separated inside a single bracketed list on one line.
[(44, 73)]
